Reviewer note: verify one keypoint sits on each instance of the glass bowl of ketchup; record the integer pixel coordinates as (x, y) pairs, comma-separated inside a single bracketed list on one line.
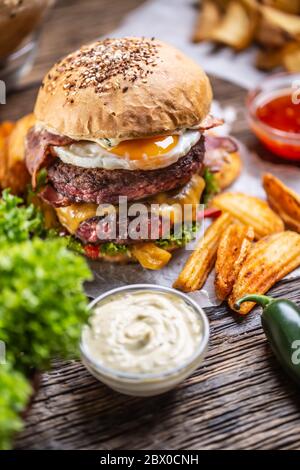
[(274, 114)]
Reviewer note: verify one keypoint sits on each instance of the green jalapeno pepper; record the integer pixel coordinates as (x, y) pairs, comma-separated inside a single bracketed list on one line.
[(281, 323)]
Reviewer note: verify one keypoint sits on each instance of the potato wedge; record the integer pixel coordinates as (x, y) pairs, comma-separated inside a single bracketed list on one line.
[(287, 56), (151, 256), (289, 6), (5, 130), (291, 57), (236, 28), (17, 138), (283, 200), (233, 249), (208, 18), (269, 260), (250, 211), (287, 22), (16, 175), (230, 170), (3, 157), (268, 59), (202, 260)]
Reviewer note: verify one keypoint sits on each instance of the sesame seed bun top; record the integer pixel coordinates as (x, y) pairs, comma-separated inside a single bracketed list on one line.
[(123, 88)]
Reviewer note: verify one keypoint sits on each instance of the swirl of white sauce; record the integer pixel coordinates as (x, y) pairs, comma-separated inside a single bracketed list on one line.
[(143, 332)]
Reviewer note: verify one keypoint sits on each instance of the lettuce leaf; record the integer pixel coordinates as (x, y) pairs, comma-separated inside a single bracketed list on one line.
[(211, 186), (18, 223), (15, 392), (43, 305), (42, 308), (180, 239), (113, 249)]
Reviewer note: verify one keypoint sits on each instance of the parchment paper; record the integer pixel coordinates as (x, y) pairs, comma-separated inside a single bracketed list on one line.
[(173, 21)]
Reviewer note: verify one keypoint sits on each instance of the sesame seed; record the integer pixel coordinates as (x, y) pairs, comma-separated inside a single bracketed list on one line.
[(127, 59)]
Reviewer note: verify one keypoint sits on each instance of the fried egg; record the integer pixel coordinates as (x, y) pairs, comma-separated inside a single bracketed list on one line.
[(137, 154)]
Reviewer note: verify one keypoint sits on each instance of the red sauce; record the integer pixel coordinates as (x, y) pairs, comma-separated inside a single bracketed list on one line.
[(281, 113)]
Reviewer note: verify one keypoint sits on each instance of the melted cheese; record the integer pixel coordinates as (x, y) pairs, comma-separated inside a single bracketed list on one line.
[(174, 201), (72, 216), (188, 194)]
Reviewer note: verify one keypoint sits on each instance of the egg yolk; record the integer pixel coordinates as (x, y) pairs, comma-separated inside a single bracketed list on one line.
[(140, 149)]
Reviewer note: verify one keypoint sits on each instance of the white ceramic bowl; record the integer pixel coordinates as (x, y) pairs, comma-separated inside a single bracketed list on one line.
[(147, 384), (282, 143)]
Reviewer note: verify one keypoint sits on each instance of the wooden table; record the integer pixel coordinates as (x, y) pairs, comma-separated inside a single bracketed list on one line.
[(239, 399)]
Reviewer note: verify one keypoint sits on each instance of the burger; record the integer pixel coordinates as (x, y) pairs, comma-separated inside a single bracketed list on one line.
[(122, 118)]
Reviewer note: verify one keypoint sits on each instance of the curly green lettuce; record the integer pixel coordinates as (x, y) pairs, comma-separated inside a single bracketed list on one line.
[(180, 239), (43, 305), (15, 392), (211, 186), (18, 223), (112, 249)]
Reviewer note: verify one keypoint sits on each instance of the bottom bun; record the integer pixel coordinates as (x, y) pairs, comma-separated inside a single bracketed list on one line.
[(124, 258)]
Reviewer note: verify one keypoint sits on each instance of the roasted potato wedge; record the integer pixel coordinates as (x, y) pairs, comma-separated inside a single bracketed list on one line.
[(287, 56), (3, 158), (16, 174), (268, 59), (283, 200), (291, 57), (250, 211), (233, 249), (6, 129), (3, 154), (287, 22), (17, 138), (270, 35), (208, 18), (230, 171), (151, 256), (237, 27), (202, 260), (289, 6), (274, 24), (269, 260)]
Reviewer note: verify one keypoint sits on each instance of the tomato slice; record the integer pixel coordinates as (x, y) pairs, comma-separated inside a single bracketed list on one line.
[(92, 251), (210, 213)]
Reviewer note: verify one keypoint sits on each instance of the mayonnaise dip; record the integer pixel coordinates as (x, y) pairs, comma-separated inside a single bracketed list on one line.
[(143, 339), (143, 332)]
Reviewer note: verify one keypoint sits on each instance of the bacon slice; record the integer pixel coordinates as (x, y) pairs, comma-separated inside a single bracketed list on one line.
[(38, 149), (209, 122), (217, 149), (53, 197), (97, 230)]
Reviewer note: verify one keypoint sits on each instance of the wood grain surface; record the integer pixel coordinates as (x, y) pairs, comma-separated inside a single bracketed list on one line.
[(239, 399)]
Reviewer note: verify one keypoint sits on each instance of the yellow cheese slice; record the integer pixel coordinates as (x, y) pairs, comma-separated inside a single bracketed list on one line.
[(72, 216)]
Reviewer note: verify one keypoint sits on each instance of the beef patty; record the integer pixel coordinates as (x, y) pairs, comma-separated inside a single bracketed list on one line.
[(98, 186), (97, 230)]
